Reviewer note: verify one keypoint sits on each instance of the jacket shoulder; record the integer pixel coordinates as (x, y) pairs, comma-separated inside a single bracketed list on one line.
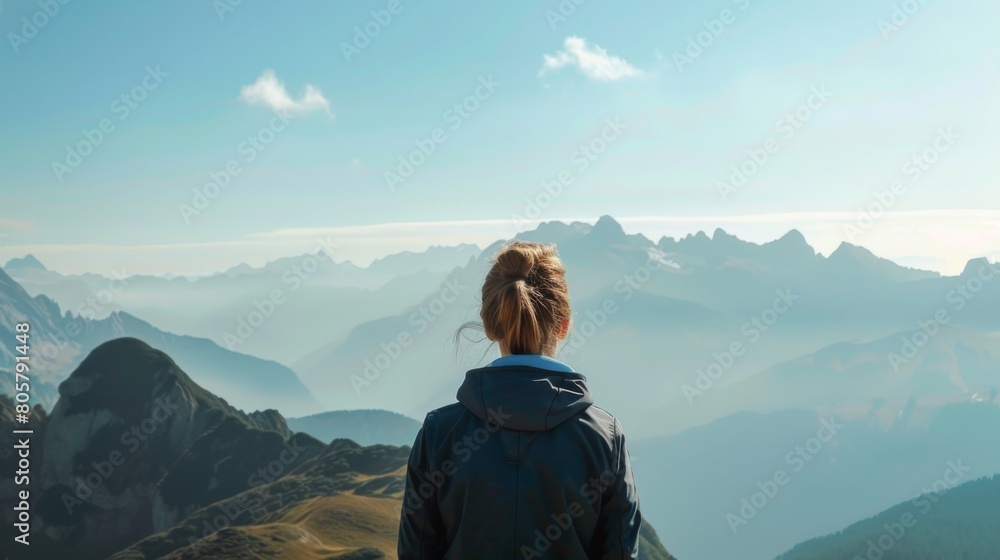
[(443, 420), (603, 422), (445, 414), (604, 415)]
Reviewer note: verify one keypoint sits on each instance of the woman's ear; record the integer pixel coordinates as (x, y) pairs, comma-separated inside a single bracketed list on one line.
[(563, 329)]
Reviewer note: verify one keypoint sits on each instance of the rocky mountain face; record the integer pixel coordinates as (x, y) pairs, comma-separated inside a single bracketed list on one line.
[(224, 461), (125, 418), (137, 461)]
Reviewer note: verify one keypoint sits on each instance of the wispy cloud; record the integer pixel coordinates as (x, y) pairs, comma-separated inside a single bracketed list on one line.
[(270, 92), (593, 61), (18, 225)]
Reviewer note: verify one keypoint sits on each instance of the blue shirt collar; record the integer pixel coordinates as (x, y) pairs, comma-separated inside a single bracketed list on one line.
[(534, 360)]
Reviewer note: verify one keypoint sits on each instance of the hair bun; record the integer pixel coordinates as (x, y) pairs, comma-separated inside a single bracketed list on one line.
[(526, 318), (517, 263)]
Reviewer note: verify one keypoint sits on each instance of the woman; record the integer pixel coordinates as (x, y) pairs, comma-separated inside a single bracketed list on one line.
[(523, 465)]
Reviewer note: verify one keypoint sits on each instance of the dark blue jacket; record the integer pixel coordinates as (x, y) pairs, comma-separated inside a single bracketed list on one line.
[(522, 466)]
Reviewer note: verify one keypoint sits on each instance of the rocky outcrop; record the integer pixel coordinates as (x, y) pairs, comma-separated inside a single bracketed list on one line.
[(226, 460), (124, 417)]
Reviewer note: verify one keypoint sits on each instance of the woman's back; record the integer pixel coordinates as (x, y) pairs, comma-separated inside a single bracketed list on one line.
[(522, 466)]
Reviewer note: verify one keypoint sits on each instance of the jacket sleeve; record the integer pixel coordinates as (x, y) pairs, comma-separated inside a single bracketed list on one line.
[(421, 529), (617, 535)]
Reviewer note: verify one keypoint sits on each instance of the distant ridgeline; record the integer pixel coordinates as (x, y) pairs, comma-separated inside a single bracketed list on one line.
[(959, 523), (60, 339), (136, 461), (366, 427)]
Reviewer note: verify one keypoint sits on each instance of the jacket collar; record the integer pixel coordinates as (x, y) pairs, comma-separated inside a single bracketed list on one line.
[(521, 397)]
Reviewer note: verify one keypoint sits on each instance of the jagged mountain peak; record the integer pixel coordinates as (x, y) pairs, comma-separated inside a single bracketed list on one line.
[(242, 268), (692, 242), (553, 231), (723, 239), (794, 235), (27, 262), (849, 250), (981, 264), (860, 260), (430, 251), (793, 243), (721, 235), (608, 229)]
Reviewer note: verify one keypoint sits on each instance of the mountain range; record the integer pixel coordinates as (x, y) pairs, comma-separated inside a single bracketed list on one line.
[(678, 306), (680, 303), (319, 296), (59, 340), (137, 461), (720, 357)]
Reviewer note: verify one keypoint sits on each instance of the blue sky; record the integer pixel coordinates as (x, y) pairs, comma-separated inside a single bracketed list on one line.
[(684, 125)]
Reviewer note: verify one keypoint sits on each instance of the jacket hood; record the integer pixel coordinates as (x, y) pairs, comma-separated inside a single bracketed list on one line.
[(524, 398)]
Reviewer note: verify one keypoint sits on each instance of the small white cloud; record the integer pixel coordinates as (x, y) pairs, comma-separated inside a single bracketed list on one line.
[(593, 61), (270, 92)]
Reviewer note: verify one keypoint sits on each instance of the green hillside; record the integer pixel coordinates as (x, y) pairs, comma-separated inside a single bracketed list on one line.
[(962, 523)]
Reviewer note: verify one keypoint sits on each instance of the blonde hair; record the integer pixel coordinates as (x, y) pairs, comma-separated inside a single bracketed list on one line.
[(525, 298)]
